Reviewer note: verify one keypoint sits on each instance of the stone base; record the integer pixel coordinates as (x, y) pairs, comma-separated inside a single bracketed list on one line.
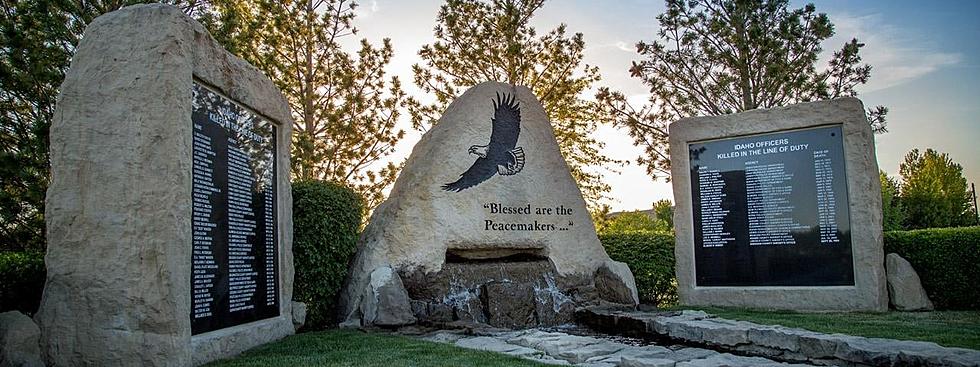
[(231, 341), (518, 294)]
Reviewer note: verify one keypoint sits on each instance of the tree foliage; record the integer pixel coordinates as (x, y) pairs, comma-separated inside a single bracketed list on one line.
[(716, 57), (37, 41), (493, 40), (345, 107), (893, 216), (934, 191), (663, 211), (660, 219)]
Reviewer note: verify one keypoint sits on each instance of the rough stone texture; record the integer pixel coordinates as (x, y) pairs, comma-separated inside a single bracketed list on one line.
[(299, 315), (615, 283), (905, 292), (864, 191), (509, 305), (119, 203), (19, 341), (647, 362), (773, 342), (564, 349), (420, 225), (459, 293), (389, 304)]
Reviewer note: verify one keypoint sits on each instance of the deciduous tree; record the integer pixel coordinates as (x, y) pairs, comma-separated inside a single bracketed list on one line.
[(893, 216), (934, 191), (37, 41)]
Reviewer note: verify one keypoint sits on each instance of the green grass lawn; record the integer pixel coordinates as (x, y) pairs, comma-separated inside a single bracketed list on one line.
[(355, 348), (948, 328)]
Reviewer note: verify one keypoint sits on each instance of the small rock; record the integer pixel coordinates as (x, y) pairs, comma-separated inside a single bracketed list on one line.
[(615, 283), (19, 341), (904, 287), (299, 315), (391, 303)]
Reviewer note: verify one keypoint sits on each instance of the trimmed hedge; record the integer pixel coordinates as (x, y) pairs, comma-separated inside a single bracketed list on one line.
[(650, 255), (326, 223), (21, 281), (946, 259)]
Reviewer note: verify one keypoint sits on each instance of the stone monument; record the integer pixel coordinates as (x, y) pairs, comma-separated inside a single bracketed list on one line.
[(169, 214), (484, 224), (779, 208)]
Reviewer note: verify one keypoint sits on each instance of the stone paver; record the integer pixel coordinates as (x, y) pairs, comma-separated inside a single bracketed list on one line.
[(559, 348), (783, 343)]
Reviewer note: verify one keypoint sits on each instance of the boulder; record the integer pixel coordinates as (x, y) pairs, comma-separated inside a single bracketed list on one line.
[(119, 209), (19, 341), (485, 194), (905, 291), (299, 315), (384, 303), (615, 283)]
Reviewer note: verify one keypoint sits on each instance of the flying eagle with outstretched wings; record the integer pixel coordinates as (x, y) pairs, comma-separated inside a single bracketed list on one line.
[(501, 155)]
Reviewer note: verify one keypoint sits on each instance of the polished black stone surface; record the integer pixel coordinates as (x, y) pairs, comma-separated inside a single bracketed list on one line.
[(772, 210), (234, 271)]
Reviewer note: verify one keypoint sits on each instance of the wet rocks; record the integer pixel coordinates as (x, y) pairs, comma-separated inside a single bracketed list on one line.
[(519, 294)]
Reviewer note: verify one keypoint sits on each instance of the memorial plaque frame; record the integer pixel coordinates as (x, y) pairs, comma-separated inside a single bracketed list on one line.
[(863, 198), (234, 153)]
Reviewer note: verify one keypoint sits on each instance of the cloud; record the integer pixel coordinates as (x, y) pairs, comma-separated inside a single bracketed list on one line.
[(363, 11), (625, 47), (896, 55)]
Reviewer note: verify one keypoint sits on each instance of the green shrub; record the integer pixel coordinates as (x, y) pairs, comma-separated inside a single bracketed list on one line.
[(946, 259), (650, 255), (326, 221), (21, 281)]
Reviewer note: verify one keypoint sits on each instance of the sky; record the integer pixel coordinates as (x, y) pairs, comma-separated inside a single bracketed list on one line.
[(925, 55)]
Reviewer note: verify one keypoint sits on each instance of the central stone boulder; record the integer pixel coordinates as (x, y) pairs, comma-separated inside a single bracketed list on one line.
[(485, 224)]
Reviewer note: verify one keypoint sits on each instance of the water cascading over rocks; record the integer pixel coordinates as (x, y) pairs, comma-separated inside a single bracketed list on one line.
[(484, 224)]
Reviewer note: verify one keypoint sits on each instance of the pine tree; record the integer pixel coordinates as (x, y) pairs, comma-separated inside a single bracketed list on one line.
[(38, 39), (479, 41), (717, 57), (344, 106)]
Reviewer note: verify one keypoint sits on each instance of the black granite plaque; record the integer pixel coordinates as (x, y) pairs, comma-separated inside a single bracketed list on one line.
[(771, 210), (234, 268)]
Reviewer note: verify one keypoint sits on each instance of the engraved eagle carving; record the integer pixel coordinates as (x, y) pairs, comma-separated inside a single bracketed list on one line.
[(501, 155)]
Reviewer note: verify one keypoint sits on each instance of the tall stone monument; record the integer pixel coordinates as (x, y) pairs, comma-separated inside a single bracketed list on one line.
[(169, 220), (484, 224), (779, 208)]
